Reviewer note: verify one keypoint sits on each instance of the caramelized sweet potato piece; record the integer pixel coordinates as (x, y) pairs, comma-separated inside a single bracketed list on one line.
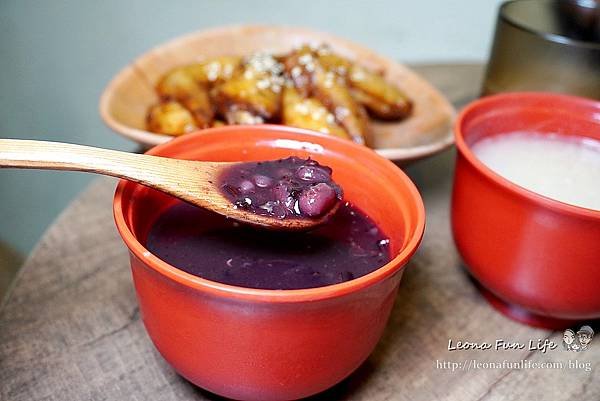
[(382, 99), (170, 118), (214, 70), (302, 62), (176, 84), (180, 86), (308, 113), (257, 89), (299, 66), (200, 106), (330, 89), (235, 116), (333, 63), (374, 106)]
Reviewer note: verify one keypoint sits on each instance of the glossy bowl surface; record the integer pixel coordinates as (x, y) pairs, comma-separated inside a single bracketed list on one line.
[(538, 258), (258, 344)]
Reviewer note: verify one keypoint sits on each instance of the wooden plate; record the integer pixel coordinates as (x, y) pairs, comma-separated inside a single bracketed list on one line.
[(126, 99)]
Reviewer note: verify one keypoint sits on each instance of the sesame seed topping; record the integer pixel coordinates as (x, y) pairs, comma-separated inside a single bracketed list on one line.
[(342, 112), (358, 75), (296, 72), (305, 59), (302, 108), (263, 84)]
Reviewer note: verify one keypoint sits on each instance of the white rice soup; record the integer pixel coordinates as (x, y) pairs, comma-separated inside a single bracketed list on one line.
[(563, 168)]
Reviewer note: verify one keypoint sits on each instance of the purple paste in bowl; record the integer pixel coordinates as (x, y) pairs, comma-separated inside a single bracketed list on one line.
[(285, 188)]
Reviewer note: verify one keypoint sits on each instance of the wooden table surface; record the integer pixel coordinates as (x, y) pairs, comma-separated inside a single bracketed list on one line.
[(70, 329)]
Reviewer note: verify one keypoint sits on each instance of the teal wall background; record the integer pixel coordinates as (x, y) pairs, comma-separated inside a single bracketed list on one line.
[(57, 56)]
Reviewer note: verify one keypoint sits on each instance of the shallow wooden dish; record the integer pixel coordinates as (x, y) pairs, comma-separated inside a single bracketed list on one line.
[(126, 99)]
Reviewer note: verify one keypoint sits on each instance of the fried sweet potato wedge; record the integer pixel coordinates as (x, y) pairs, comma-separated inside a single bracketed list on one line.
[(309, 113), (214, 70), (331, 90), (176, 84), (299, 66), (374, 106), (235, 116), (179, 85), (170, 118), (253, 91), (382, 99), (334, 63), (201, 107)]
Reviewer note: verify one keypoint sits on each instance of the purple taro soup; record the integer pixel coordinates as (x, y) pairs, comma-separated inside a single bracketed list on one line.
[(213, 247), (347, 246)]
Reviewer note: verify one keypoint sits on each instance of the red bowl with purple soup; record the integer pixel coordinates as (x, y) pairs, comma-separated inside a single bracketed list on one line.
[(265, 344)]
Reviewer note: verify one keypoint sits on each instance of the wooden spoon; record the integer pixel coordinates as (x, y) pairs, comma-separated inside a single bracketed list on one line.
[(192, 181)]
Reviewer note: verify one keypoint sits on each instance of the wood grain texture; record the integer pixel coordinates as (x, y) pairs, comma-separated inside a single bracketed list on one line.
[(71, 330), (192, 181), (127, 98)]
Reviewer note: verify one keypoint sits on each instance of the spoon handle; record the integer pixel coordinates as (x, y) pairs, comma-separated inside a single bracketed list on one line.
[(61, 156), (193, 181), (156, 172)]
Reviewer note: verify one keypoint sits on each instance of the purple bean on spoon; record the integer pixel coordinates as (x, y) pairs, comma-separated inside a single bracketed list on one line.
[(291, 188)]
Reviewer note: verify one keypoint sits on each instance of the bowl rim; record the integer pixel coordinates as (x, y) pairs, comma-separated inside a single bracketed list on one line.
[(265, 295), (514, 98), (148, 138)]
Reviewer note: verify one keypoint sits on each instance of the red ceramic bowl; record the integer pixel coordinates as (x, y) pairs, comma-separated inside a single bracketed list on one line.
[(271, 344), (539, 258)]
